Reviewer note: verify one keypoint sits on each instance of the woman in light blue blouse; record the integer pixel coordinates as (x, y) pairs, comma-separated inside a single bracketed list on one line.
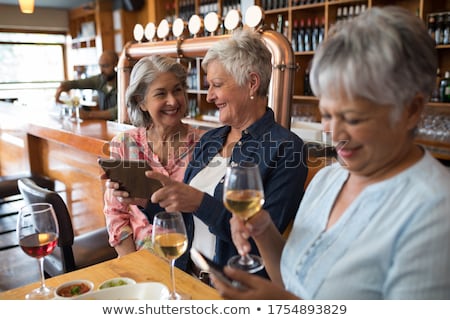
[(376, 225)]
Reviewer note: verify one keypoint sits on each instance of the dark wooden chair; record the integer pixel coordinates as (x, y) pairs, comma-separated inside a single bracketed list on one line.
[(73, 253), (10, 202)]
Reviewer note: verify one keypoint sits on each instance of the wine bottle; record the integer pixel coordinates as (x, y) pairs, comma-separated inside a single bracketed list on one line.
[(294, 38), (431, 26), (439, 31), (446, 38), (301, 36), (444, 89), (322, 31), (308, 36), (315, 34)]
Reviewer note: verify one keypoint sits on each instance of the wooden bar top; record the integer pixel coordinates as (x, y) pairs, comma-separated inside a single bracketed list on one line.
[(89, 135), (141, 266)]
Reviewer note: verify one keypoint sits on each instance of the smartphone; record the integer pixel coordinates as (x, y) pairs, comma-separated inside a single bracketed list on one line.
[(210, 266), (130, 174)]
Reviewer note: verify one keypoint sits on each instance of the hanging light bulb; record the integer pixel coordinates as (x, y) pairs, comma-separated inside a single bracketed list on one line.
[(26, 6)]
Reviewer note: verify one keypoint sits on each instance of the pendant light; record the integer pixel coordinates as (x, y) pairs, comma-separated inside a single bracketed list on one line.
[(26, 6)]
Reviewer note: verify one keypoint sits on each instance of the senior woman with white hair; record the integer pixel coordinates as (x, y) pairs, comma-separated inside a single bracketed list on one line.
[(376, 225), (156, 102), (238, 71)]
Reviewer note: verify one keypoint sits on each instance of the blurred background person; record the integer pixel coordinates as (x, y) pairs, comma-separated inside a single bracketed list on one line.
[(105, 85), (377, 224), (157, 101)]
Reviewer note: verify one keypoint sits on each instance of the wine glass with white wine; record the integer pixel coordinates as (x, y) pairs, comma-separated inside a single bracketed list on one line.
[(243, 195), (37, 232), (170, 241)]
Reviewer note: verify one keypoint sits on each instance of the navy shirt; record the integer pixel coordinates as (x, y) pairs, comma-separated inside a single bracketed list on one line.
[(281, 156)]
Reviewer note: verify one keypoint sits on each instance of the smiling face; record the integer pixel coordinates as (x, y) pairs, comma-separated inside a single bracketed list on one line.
[(232, 101), (165, 100), (367, 141)]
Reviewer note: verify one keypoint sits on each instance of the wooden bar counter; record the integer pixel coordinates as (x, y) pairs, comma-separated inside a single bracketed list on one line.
[(141, 266), (66, 151)]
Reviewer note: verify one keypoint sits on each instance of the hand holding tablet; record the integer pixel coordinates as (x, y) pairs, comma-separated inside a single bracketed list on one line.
[(130, 174)]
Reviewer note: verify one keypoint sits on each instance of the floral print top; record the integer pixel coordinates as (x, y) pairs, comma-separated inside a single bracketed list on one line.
[(123, 220)]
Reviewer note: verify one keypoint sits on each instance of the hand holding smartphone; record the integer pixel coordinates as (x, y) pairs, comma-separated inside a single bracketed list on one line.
[(130, 174), (210, 266)]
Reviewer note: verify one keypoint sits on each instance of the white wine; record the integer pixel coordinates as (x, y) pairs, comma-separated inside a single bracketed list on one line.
[(170, 245), (244, 203)]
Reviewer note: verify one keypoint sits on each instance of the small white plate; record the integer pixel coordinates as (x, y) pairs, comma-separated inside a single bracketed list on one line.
[(87, 283), (138, 291)]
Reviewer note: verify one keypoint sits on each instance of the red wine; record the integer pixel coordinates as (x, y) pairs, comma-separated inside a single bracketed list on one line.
[(39, 244)]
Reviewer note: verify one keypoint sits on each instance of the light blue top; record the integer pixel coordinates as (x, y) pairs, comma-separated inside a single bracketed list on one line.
[(392, 242)]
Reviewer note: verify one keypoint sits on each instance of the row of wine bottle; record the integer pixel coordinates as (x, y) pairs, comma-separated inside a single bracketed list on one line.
[(306, 37), (278, 4), (439, 27)]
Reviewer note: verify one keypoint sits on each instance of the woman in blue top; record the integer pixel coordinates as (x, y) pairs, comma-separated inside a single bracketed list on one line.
[(238, 72), (376, 225)]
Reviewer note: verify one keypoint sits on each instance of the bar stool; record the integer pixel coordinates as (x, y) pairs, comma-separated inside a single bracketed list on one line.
[(10, 202)]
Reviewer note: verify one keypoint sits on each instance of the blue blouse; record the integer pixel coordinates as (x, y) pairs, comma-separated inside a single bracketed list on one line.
[(392, 242)]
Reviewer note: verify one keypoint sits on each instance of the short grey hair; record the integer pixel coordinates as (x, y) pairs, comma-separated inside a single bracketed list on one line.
[(144, 72), (385, 55), (240, 54)]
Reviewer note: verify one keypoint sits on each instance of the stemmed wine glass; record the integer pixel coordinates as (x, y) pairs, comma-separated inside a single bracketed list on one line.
[(37, 231), (76, 106), (243, 195), (170, 241)]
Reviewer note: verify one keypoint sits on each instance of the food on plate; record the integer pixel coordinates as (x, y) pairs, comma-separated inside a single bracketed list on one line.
[(116, 282), (73, 289)]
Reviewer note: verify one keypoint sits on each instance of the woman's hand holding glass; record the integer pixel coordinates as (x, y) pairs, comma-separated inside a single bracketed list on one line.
[(243, 195)]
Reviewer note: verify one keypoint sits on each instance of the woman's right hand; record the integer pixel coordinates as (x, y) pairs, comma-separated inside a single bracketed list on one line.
[(175, 195), (242, 230)]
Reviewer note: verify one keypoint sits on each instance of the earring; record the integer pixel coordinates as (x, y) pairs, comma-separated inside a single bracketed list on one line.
[(252, 97)]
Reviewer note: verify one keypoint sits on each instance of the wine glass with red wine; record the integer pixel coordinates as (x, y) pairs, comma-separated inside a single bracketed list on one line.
[(37, 231)]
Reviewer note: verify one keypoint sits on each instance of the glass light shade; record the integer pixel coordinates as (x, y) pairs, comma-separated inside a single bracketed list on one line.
[(150, 31), (138, 32), (211, 22), (178, 27), (195, 24), (254, 16), (163, 29), (26, 6), (232, 20)]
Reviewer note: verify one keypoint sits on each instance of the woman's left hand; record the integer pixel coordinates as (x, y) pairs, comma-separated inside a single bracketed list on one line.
[(123, 196), (174, 195), (255, 287)]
